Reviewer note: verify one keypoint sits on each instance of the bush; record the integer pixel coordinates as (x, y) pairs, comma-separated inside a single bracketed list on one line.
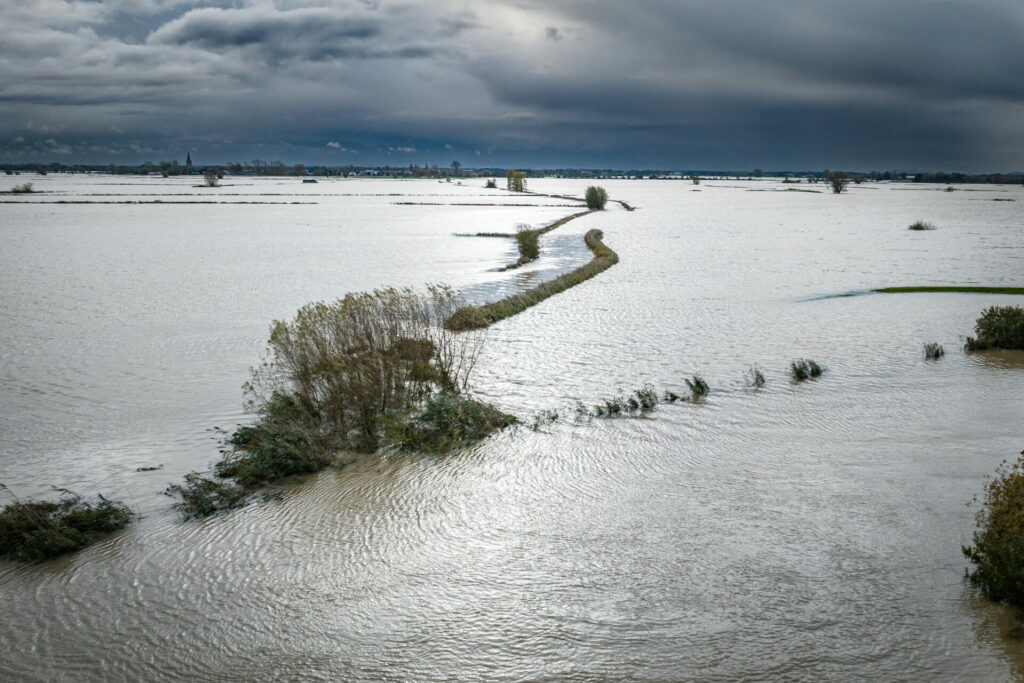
[(211, 179), (755, 377), (999, 327), (25, 188), (698, 387), (921, 225), (202, 496), (32, 530), (491, 184), (998, 549), (933, 351), (446, 420), (837, 180), (804, 368), (596, 198), (526, 240)]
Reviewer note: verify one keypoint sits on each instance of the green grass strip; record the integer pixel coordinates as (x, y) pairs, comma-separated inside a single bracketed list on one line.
[(476, 317), (951, 288)]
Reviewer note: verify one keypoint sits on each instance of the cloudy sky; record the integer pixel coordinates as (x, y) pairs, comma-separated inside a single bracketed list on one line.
[(684, 84)]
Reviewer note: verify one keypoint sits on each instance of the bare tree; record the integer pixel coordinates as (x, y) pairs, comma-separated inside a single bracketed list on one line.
[(456, 165), (838, 180)]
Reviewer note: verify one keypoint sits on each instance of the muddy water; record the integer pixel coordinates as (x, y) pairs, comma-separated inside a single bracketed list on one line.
[(800, 532)]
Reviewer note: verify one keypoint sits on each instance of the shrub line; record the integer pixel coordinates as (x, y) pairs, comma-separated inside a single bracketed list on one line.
[(951, 288)]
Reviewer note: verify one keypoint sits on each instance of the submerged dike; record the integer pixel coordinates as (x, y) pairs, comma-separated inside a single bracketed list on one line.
[(476, 317), (528, 238)]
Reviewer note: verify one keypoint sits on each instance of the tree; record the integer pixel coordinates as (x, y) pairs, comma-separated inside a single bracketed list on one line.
[(596, 198), (516, 181), (455, 167), (838, 180)]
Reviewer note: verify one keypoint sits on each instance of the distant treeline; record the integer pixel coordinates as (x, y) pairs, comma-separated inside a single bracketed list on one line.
[(258, 167)]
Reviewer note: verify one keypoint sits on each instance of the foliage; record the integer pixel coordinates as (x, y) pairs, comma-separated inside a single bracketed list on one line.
[(921, 225), (640, 402), (32, 530), (211, 179), (698, 387), (951, 288), (755, 377), (998, 549), (999, 327), (516, 181), (838, 180), (596, 198), (202, 496), (476, 317), (804, 368), (491, 184), (526, 240), (447, 419), (25, 188), (933, 351)]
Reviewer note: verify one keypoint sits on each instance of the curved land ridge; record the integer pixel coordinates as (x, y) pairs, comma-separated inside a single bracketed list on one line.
[(477, 317)]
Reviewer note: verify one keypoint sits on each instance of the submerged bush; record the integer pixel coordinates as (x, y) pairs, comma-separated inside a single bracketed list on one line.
[(998, 549), (933, 351), (698, 387), (202, 496), (25, 188), (641, 401), (596, 198), (447, 419), (804, 368), (755, 377), (33, 530), (491, 184), (999, 327), (921, 225)]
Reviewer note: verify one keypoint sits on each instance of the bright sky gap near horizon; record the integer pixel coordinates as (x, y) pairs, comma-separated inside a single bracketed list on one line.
[(732, 84)]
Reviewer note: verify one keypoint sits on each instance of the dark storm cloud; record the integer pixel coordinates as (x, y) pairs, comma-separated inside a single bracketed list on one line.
[(731, 83)]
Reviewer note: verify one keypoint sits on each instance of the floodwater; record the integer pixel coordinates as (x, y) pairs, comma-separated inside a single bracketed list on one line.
[(799, 532)]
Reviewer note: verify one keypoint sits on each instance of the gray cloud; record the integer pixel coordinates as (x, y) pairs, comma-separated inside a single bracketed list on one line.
[(734, 83)]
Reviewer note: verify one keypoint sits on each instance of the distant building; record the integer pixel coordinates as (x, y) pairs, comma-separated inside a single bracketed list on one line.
[(188, 162)]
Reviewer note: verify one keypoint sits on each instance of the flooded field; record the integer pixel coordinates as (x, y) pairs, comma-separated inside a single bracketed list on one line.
[(802, 531)]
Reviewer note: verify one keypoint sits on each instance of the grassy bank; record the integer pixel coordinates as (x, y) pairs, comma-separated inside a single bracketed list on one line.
[(527, 240), (951, 288), (477, 317)]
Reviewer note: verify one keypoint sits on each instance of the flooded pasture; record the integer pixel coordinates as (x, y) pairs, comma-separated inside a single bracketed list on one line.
[(800, 531)]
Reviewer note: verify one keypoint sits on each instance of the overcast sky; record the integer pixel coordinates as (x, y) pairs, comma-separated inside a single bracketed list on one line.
[(682, 84)]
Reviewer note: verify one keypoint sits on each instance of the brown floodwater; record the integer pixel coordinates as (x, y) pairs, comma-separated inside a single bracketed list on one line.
[(801, 532)]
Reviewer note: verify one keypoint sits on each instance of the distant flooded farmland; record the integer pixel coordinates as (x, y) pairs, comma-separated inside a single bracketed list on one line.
[(803, 531)]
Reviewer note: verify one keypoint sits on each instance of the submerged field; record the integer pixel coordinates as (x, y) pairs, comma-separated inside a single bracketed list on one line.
[(802, 531)]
